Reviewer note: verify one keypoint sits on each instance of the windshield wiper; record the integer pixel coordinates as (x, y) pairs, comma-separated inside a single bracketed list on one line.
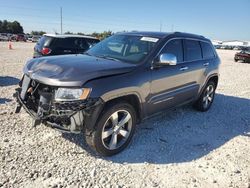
[(108, 57)]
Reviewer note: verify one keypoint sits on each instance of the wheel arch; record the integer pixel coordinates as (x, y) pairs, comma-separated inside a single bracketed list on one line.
[(212, 77), (131, 98)]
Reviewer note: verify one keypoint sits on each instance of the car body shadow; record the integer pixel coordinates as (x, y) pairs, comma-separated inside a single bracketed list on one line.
[(8, 81), (4, 100), (183, 134)]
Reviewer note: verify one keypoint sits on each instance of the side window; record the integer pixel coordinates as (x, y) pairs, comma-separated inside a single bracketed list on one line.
[(81, 44), (192, 50), (174, 47), (91, 42), (207, 50)]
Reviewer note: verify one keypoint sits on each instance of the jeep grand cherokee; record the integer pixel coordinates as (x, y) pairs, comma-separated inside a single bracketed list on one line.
[(119, 82)]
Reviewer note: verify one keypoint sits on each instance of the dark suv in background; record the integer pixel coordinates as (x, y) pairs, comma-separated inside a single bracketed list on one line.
[(63, 44), (119, 82)]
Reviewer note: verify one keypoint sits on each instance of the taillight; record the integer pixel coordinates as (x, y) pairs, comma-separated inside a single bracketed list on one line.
[(46, 51)]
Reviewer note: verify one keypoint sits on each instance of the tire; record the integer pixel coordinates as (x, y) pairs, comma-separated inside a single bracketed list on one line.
[(114, 129), (206, 98)]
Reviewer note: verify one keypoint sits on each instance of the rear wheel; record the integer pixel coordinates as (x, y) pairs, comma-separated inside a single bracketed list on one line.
[(206, 98), (114, 129)]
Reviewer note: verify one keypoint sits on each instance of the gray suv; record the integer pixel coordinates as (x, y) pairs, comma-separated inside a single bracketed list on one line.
[(118, 83)]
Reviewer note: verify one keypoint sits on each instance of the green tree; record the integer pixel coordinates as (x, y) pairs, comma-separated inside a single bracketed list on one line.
[(102, 35), (37, 32), (14, 27), (80, 33), (4, 26), (68, 32), (10, 27)]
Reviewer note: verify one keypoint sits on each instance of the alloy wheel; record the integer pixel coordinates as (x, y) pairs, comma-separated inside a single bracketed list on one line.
[(116, 129), (208, 96)]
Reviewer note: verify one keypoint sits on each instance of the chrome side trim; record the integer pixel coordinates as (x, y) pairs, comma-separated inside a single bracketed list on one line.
[(163, 100), (175, 90)]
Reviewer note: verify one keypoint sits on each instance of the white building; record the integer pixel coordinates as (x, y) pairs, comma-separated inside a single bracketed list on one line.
[(216, 42), (235, 43)]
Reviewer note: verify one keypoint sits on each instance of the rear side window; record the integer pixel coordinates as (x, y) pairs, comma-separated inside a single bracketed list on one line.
[(44, 41), (91, 42), (192, 50), (207, 50), (174, 47)]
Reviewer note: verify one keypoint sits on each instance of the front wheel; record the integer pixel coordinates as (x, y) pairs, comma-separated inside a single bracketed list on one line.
[(114, 129), (206, 98)]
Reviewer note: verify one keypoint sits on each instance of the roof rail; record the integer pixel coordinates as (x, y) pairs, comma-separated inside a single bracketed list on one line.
[(191, 34)]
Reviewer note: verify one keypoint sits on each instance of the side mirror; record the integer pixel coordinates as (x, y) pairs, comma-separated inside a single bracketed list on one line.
[(167, 59)]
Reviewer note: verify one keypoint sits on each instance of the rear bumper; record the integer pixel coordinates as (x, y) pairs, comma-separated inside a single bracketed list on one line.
[(65, 116)]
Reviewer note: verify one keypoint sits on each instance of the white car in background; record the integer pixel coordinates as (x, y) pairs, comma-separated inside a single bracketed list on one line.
[(4, 37), (35, 38)]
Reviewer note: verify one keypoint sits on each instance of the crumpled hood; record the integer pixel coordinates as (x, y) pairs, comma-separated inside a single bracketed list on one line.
[(73, 70)]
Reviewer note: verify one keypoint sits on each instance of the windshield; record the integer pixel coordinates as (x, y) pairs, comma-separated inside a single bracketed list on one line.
[(132, 49)]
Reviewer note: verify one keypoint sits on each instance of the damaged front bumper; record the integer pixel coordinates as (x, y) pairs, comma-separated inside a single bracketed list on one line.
[(70, 116)]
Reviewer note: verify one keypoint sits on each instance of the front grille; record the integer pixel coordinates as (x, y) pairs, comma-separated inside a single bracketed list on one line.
[(74, 105)]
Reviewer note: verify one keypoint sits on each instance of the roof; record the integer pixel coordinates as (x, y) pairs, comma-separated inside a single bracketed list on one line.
[(146, 33), (69, 35), (163, 34)]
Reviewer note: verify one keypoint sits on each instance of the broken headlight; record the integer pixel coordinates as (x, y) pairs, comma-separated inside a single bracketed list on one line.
[(69, 94)]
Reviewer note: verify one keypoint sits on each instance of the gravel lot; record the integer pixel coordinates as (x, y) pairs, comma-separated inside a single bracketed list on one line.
[(178, 148)]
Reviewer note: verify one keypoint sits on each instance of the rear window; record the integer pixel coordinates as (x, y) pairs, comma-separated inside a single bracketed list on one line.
[(207, 50), (44, 41), (192, 50)]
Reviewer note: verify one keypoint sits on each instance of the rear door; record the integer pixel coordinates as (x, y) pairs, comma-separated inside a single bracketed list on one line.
[(208, 62)]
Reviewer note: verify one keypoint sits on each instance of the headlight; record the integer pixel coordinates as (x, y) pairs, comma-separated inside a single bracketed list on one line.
[(69, 94)]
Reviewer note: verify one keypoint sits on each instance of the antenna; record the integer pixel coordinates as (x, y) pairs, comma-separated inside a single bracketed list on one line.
[(61, 19)]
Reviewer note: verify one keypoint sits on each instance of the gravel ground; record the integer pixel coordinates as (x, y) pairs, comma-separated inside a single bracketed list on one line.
[(178, 148)]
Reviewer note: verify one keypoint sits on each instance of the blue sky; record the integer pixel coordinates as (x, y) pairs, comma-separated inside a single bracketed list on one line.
[(216, 19)]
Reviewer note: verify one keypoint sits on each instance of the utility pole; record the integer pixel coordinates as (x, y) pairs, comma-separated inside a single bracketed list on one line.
[(61, 20), (160, 26)]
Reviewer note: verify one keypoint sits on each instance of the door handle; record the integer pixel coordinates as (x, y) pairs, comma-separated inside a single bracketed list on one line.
[(183, 68), (206, 64)]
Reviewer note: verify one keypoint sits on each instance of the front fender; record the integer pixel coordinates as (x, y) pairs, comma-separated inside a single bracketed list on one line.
[(135, 83)]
